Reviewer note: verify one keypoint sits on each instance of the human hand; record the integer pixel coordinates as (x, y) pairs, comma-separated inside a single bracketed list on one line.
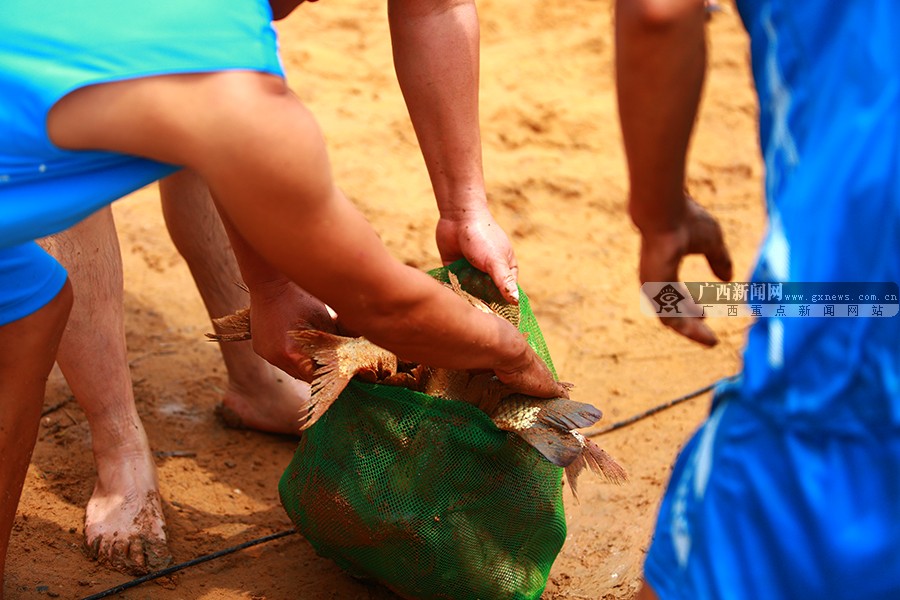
[(277, 309), (662, 252), (476, 236), (530, 375)]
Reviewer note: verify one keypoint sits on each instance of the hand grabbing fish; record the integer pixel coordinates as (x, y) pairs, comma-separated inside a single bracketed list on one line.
[(548, 425)]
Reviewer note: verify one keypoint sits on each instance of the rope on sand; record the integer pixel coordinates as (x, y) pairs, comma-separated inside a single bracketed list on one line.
[(169, 570), (652, 411)]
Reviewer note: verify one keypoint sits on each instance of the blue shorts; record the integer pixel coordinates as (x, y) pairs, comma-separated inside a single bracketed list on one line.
[(51, 48), (29, 279), (757, 510)]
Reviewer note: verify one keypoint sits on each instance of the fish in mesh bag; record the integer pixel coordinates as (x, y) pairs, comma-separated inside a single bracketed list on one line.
[(438, 484)]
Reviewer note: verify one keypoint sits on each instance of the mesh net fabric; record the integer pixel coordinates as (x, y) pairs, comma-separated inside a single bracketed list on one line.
[(426, 495)]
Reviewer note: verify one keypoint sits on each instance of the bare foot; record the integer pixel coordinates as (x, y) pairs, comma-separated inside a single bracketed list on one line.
[(269, 401), (124, 526)]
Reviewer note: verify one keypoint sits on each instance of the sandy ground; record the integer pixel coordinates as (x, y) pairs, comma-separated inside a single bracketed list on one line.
[(556, 179)]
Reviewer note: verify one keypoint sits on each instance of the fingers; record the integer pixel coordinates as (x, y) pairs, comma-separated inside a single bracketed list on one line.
[(719, 261), (286, 357), (485, 245), (693, 328), (706, 238), (506, 280), (535, 379)]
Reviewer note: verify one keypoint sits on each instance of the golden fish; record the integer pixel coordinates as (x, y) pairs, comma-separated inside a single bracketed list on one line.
[(548, 425)]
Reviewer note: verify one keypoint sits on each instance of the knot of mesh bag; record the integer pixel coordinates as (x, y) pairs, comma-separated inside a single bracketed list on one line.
[(427, 496)]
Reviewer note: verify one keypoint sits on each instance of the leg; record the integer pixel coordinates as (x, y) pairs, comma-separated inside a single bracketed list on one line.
[(258, 395), (123, 523), (24, 374), (646, 593)]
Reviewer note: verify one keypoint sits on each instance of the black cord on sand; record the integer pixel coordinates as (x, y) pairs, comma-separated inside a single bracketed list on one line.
[(169, 570), (653, 411)]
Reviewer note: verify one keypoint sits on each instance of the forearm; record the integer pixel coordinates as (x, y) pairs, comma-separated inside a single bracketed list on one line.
[(436, 57), (418, 320), (425, 322), (324, 244), (660, 66), (259, 276)]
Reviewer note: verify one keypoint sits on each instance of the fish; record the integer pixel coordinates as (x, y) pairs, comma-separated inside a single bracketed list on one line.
[(548, 425)]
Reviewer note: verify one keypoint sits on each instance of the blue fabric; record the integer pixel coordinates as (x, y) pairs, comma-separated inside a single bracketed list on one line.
[(755, 512), (29, 279), (53, 47), (790, 490), (829, 94)]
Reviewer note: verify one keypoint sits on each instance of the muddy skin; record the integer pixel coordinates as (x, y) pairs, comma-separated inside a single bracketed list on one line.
[(139, 554)]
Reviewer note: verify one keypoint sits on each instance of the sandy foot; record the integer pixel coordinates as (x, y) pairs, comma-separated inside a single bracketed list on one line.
[(127, 533), (272, 405)]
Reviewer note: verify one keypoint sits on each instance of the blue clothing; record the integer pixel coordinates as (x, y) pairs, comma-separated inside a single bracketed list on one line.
[(754, 511), (790, 488), (53, 47), (829, 94), (29, 279)]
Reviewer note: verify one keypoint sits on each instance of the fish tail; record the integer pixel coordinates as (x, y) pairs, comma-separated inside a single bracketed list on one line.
[(563, 413), (331, 375), (599, 461), (573, 470), (603, 464), (561, 450), (232, 328)]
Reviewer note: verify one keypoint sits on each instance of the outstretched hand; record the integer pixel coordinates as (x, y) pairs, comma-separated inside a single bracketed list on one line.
[(662, 253), (476, 236)]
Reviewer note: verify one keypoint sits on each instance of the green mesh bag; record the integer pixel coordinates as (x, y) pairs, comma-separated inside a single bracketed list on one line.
[(427, 496)]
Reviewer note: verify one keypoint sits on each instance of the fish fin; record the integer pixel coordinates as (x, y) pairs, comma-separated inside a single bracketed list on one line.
[(232, 328), (603, 464), (558, 447), (573, 470), (337, 360), (599, 461), (510, 312), (331, 375), (568, 414)]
